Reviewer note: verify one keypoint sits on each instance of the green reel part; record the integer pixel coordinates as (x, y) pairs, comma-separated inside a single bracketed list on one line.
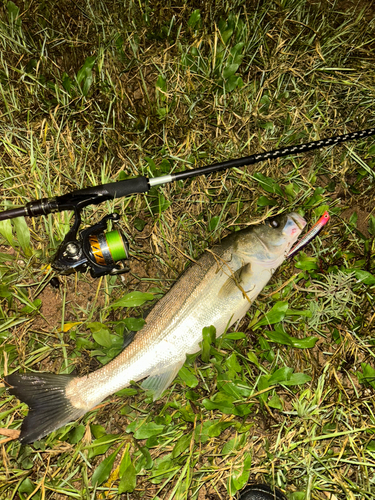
[(108, 248)]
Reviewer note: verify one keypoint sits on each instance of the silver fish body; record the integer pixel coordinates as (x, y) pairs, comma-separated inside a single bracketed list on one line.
[(217, 290)]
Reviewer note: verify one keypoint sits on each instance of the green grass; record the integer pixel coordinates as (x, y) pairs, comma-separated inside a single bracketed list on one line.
[(94, 92)]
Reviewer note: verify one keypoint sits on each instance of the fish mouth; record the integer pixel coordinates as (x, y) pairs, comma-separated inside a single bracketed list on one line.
[(299, 221)]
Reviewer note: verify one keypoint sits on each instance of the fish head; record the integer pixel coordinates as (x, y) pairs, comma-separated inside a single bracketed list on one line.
[(269, 243), (279, 234)]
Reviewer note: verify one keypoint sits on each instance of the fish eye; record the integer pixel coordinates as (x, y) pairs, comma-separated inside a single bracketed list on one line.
[(273, 223)]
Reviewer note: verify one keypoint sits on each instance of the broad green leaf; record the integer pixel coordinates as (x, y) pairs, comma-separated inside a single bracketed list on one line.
[(263, 201), (275, 402), (195, 19), (161, 84), (23, 234), (160, 204), (128, 478), (149, 429), (233, 386), (208, 337), (299, 312), (268, 184), (85, 76), (234, 336), (147, 459), (367, 375), (212, 225), (96, 326), (267, 353), (201, 431), (163, 468), (97, 430), (102, 444), (298, 495), (233, 82), (230, 70), (5, 292), (354, 218), (275, 315), (281, 375), (233, 364), (31, 306), (236, 443), (103, 338), (319, 211), (281, 337), (67, 82), (266, 125), (76, 434), (134, 324), (297, 379), (187, 413), (152, 166), (14, 13), (6, 231), (229, 446), (306, 263), (371, 225), (253, 358), (132, 299), (188, 377), (239, 478), (263, 383), (139, 224), (315, 198), (364, 276), (165, 166), (217, 428), (226, 35), (181, 445), (127, 392), (102, 472), (237, 49), (224, 406), (289, 191), (26, 488)]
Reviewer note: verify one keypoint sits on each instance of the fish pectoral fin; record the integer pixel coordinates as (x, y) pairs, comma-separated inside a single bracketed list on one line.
[(234, 282), (158, 383), (49, 408)]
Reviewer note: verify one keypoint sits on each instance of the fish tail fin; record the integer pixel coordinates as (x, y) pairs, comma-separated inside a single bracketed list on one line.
[(49, 407)]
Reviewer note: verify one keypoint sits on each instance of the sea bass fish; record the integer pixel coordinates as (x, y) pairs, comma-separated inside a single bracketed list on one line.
[(217, 290)]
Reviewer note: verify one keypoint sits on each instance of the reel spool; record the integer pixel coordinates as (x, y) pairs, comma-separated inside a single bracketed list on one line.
[(97, 250)]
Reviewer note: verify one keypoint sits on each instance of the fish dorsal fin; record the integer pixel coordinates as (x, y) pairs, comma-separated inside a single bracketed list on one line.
[(235, 281), (157, 384)]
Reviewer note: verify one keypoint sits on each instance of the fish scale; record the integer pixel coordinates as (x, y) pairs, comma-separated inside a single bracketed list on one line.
[(217, 290)]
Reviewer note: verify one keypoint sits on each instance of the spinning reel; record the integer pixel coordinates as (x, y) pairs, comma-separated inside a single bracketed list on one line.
[(105, 252), (94, 249)]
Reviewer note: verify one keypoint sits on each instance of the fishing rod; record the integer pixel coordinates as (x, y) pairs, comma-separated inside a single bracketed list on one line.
[(105, 252)]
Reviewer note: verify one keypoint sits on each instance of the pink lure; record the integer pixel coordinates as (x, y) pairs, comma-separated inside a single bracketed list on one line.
[(310, 235)]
